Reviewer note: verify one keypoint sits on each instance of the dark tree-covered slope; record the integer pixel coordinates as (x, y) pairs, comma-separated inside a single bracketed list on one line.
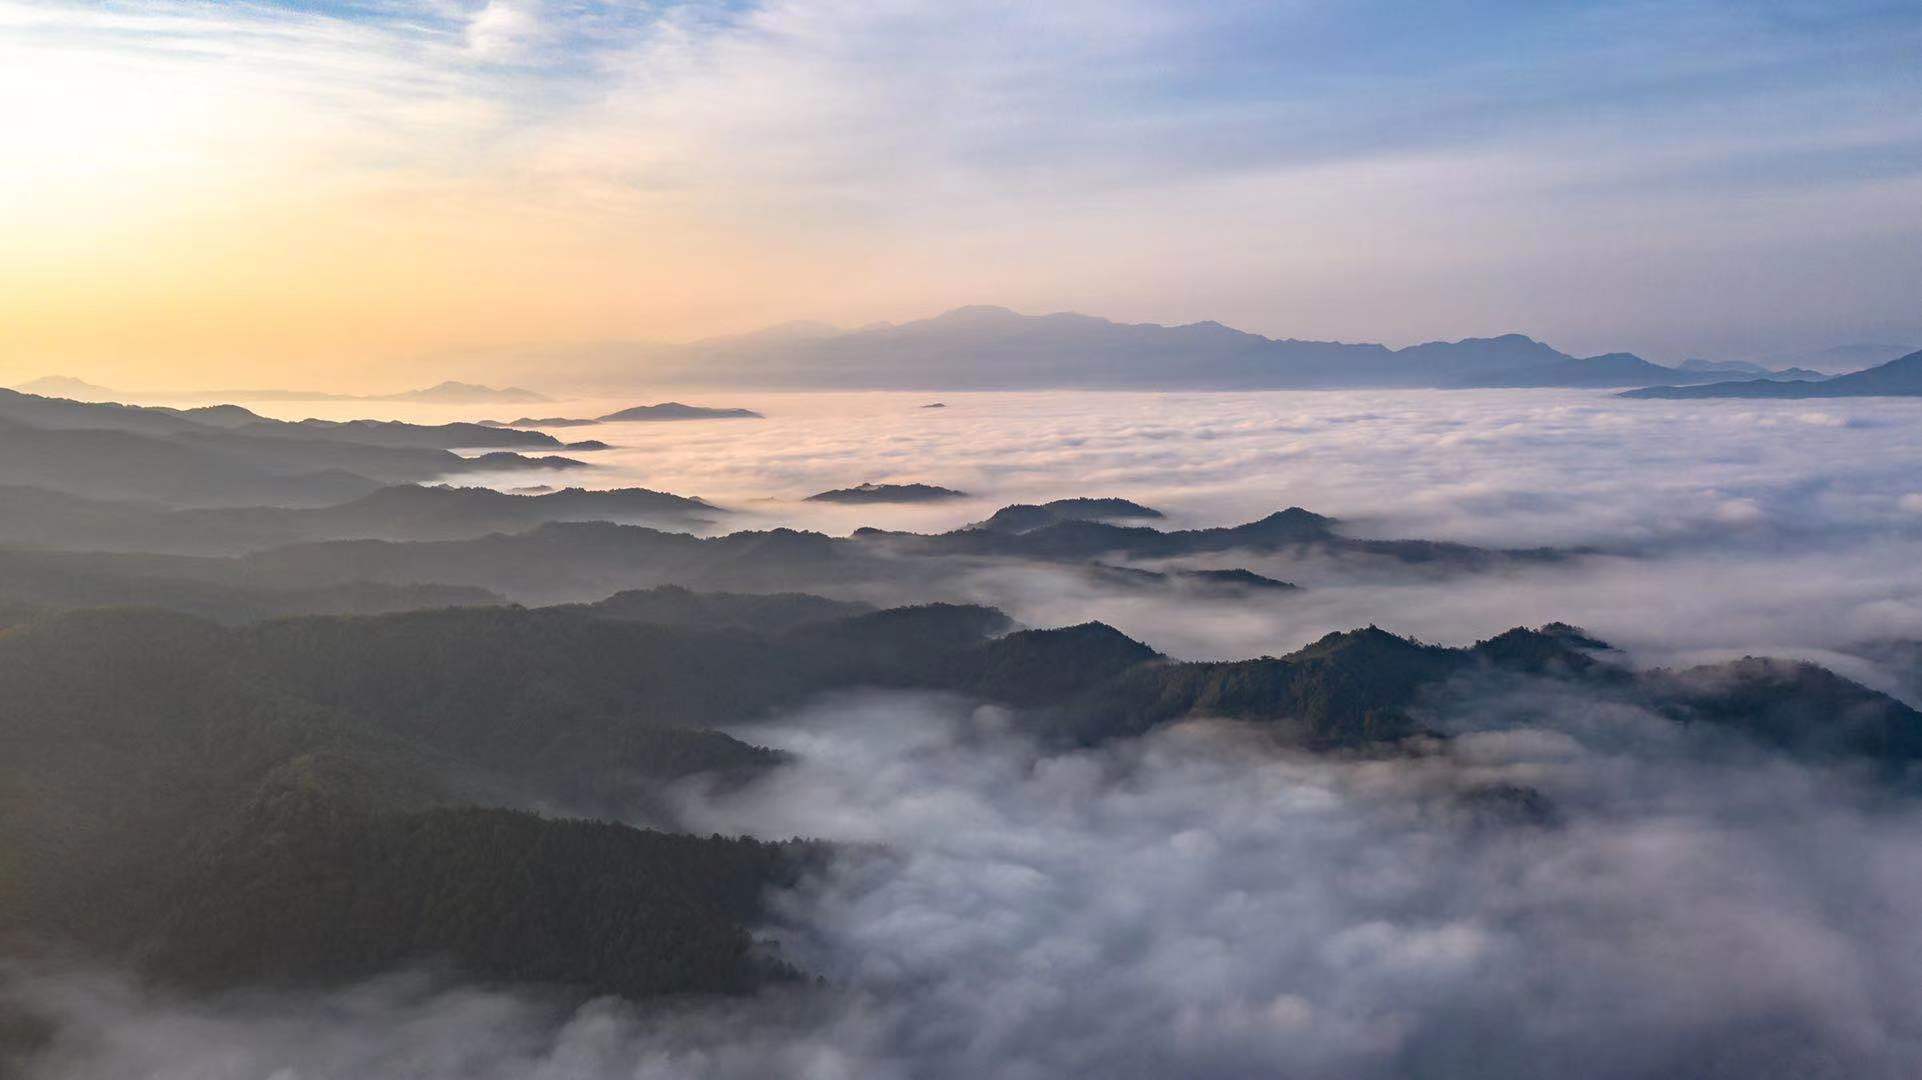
[(169, 799), (326, 797), (37, 516), (227, 456), (35, 581), (1027, 517), (673, 605), (579, 562), (862, 494)]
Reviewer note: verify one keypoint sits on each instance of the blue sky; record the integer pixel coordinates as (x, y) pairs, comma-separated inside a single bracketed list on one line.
[(1674, 178)]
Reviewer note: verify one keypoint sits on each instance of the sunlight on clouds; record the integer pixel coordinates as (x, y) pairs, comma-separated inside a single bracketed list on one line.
[(502, 29), (209, 187)]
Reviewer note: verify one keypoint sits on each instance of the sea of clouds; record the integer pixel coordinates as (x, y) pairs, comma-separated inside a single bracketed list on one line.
[(1199, 902), (1712, 528), (1202, 903)]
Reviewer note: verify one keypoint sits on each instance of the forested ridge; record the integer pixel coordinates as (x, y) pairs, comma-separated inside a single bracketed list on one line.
[(322, 798)]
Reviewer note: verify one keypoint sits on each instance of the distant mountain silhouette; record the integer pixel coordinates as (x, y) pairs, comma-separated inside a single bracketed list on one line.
[(986, 348), (1610, 369), (1027, 517), (574, 562), (539, 421), (1220, 584), (66, 387), (672, 605), (55, 413), (888, 493), (1698, 366), (1901, 377), (448, 393), (227, 456), (1842, 358), (674, 410), (37, 516), (460, 393)]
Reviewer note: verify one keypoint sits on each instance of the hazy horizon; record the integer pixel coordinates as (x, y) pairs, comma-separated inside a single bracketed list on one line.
[(600, 367), (982, 540), (333, 192)]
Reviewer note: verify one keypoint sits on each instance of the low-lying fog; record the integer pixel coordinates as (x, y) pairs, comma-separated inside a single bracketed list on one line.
[(1724, 527), (1505, 468), (1199, 903)]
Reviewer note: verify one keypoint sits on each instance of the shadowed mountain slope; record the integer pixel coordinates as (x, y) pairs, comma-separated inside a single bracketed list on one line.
[(33, 516), (321, 799), (1901, 377), (888, 493), (106, 451), (579, 562)]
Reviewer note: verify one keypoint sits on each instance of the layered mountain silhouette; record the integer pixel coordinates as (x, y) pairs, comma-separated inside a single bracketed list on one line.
[(569, 546), (887, 493), (1027, 517), (66, 386), (1901, 377), (581, 561), (1611, 369), (674, 410), (445, 393), (224, 455), (319, 800), (460, 393), (1839, 359), (985, 348), (272, 716), (37, 516), (1699, 366)]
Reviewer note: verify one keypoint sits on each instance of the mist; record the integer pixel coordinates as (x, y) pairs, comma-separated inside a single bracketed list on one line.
[(1544, 701), (1499, 467), (1200, 902), (1559, 882), (1700, 529)]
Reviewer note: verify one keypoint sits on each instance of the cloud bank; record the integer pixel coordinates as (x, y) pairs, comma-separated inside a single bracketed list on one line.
[(1770, 527), (1200, 903), (1566, 884)]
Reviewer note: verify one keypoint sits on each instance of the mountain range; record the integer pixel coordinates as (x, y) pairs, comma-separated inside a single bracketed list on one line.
[(272, 719), (1696, 365), (1839, 359), (984, 347), (224, 455), (1901, 377), (316, 801), (445, 393), (993, 348)]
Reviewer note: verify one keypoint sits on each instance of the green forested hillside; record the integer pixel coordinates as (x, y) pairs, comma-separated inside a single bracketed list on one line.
[(168, 800)]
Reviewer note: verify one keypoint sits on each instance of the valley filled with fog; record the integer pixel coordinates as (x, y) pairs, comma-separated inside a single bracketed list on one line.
[(1732, 526), (1145, 540), (1250, 768)]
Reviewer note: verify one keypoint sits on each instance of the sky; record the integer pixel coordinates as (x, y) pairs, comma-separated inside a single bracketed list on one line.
[(347, 195)]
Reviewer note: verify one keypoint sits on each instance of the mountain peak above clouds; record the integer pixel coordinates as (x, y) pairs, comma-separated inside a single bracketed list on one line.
[(460, 393), (1901, 377), (66, 386), (990, 347)]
